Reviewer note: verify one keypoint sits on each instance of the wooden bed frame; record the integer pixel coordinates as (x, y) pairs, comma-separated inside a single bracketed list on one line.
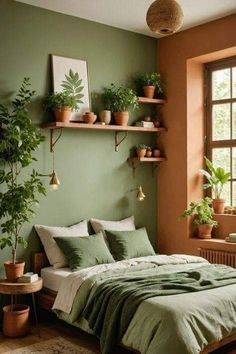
[(46, 297)]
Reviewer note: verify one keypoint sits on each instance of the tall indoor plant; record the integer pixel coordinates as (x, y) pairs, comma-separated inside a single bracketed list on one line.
[(203, 216), (120, 99), (216, 177), (19, 138)]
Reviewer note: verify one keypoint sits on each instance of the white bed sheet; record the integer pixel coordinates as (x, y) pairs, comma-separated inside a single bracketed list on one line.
[(52, 278)]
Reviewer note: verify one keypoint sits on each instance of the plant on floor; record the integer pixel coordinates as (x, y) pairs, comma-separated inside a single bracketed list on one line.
[(150, 83), (120, 99), (203, 216), (19, 138), (216, 177)]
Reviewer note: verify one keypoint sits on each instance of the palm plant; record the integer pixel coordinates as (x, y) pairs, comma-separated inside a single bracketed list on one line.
[(217, 177)]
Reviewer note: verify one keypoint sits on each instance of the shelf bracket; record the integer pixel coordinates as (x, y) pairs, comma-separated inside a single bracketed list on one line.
[(134, 166), (54, 140), (119, 141)]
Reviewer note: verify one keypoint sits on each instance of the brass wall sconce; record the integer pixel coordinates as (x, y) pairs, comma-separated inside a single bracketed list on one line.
[(54, 180), (140, 195)]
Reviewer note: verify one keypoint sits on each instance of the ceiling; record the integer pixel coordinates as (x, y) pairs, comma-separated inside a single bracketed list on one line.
[(131, 14)]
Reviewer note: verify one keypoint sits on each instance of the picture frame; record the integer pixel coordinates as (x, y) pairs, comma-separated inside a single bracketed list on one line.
[(65, 71)]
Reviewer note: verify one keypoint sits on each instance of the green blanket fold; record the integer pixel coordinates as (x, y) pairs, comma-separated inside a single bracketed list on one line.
[(115, 301)]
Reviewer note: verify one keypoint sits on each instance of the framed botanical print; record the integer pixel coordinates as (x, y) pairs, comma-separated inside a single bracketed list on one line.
[(71, 76)]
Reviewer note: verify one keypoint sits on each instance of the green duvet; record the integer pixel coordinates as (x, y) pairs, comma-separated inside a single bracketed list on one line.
[(169, 309)]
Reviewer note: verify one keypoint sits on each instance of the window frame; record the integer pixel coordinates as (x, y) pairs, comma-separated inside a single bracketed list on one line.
[(208, 103)]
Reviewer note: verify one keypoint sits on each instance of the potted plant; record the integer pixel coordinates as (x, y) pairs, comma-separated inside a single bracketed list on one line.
[(149, 152), (217, 177), (62, 105), (141, 150), (203, 216), (120, 99), (150, 84), (19, 138)]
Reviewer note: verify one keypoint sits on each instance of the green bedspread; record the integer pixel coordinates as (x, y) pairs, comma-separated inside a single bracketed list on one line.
[(114, 303), (169, 309)]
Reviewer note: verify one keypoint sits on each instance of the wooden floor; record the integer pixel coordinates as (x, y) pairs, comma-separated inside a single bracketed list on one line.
[(54, 328)]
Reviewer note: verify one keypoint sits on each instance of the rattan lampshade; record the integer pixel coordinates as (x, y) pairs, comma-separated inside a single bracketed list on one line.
[(164, 16)]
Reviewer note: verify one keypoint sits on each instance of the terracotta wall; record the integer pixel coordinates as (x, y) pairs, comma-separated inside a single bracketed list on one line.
[(181, 59)]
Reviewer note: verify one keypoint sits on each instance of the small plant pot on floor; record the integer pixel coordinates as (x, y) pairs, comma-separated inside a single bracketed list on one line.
[(63, 114), (218, 205), (14, 270), (204, 231), (121, 118), (15, 320)]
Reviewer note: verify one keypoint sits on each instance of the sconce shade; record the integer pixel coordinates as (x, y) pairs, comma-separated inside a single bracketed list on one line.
[(140, 194), (54, 182), (164, 17)]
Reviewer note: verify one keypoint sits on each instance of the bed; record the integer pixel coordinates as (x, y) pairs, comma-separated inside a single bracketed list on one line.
[(53, 279)]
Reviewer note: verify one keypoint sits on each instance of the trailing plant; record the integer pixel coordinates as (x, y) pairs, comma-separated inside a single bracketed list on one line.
[(141, 146), (19, 138), (72, 86), (120, 98), (152, 79), (59, 100), (202, 211), (217, 177)]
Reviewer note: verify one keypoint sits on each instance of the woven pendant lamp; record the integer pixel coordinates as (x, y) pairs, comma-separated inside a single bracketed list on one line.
[(164, 17)]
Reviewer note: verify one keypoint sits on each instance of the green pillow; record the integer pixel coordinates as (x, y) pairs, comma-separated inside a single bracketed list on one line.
[(86, 251), (129, 244)]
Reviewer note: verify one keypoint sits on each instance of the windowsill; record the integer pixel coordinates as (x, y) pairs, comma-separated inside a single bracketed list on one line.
[(220, 215), (214, 243)]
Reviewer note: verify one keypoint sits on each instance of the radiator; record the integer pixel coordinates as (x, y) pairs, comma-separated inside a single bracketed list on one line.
[(219, 257)]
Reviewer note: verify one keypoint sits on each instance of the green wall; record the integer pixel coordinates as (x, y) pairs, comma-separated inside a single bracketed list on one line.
[(95, 180)]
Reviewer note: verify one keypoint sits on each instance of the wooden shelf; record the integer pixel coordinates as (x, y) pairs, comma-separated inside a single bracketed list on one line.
[(146, 100), (117, 128), (146, 159)]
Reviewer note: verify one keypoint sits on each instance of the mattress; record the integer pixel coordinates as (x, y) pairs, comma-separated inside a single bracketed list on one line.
[(52, 278)]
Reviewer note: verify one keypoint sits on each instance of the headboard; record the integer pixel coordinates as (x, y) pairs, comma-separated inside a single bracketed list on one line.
[(39, 261)]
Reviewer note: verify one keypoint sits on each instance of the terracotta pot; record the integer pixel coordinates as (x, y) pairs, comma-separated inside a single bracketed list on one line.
[(89, 117), (105, 117), (141, 152), (14, 271), (149, 153), (156, 152), (63, 114), (121, 118), (15, 320), (204, 231), (218, 205), (149, 91)]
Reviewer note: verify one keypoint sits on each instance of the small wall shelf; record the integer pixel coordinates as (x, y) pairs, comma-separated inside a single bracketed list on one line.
[(136, 161), (146, 100)]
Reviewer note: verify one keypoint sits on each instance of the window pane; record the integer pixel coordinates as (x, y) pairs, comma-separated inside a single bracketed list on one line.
[(226, 194), (234, 81), (234, 119), (221, 158), (221, 121), (221, 84), (234, 194), (234, 162)]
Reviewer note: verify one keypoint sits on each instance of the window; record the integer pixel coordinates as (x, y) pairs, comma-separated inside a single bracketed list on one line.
[(221, 120)]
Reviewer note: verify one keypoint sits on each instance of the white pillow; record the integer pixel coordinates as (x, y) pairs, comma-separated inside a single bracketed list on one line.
[(47, 233), (122, 225)]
